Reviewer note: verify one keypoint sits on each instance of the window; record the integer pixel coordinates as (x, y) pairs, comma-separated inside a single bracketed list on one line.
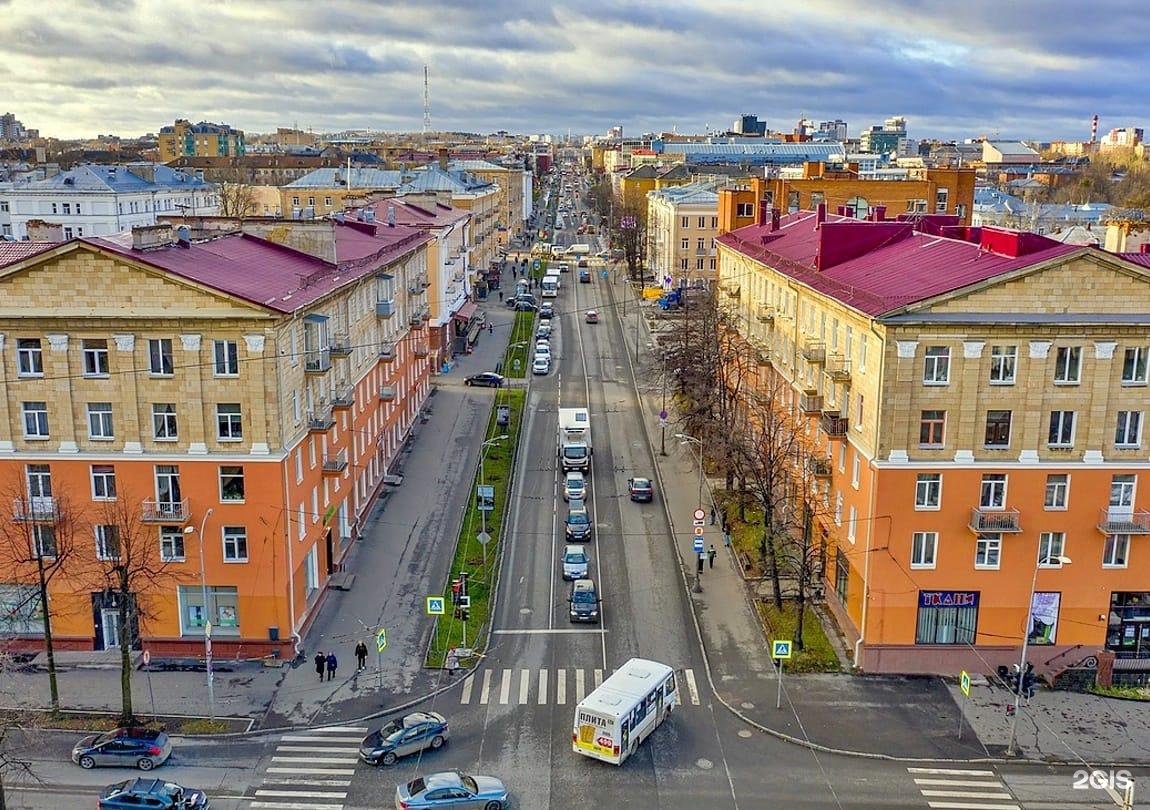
[(838, 509), (936, 366), (171, 544), (1057, 491), (68, 232), (1068, 365), (35, 420), (311, 572), (235, 544), (744, 209), (852, 523), (1129, 430), (327, 201), (998, 428), (856, 471), (301, 522), (30, 358), (1061, 429), (160, 357), (1051, 546), (295, 202), (164, 426), (941, 197), (222, 610), (1134, 366), (229, 422), (923, 549), (44, 541), (95, 358), (860, 401), (684, 244), (1003, 364), (1116, 551), (702, 222), (932, 428), (231, 483), (103, 482), (107, 542), (227, 363), (928, 491), (947, 617), (100, 420), (842, 575), (311, 202), (20, 610), (67, 208), (988, 551), (993, 491)]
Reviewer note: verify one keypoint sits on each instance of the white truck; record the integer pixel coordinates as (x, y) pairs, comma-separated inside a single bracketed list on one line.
[(579, 250), (575, 440)]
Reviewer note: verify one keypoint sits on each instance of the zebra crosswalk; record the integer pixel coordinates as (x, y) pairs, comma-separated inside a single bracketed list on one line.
[(962, 789), (543, 687), (310, 770)]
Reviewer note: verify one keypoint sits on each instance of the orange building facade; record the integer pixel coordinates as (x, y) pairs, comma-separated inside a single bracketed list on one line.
[(982, 424), (234, 403)]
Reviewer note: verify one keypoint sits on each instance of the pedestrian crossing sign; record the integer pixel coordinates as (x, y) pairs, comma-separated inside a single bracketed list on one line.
[(964, 683), (436, 606), (381, 640), (780, 650)]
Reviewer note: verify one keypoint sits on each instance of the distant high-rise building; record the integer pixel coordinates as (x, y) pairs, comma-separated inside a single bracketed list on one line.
[(832, 130), (805, 128), (888, 139), (185, 139), (11, 129), (615, 133), (1123, 137), (747, 124)]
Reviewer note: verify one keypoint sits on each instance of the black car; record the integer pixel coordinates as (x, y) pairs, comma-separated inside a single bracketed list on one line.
[(126, 747), (404, 735), (524, 306), (485, 379), (547, 312), (152, 793)]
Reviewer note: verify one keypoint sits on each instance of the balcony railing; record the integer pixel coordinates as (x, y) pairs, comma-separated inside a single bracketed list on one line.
[(811, 402), (343, 399), (165, 511), (340, 346), (1123, 521), (317, 362), (387, 352), (834, 424), (993, 521), (815, 352), (820, 467), (385, 309), (334, 465), (838, 368), (320, 421), (387, 393), (35, 510)]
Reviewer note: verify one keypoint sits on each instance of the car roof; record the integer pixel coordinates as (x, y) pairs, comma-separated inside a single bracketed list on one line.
[(640, 480), (574, 475), (584, 585), (415, 718), (576, 549), (443, 779)]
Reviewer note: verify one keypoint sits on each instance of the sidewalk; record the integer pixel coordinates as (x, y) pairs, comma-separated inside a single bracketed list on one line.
[(904, 717)]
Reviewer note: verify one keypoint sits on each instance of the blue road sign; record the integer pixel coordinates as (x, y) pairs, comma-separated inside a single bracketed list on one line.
[(698, 545), (436, 606), (780, 649)]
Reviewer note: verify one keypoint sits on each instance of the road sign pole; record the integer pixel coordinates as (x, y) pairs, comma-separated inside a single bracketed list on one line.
[(779, 698)]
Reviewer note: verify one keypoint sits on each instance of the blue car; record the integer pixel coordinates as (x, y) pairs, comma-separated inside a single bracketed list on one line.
[(404, 735), (152, 793), (453, 789)]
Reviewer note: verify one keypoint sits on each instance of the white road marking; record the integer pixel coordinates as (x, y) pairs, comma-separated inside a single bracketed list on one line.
[(319, 749), (505, 687), (339, 729), (319, 760), (305, 780), (692, 687), (598, 678), (965, 794), (953, 783), (556, 632), (561, 687), (294, 806), (301, 738), (315, 771), (485, 692), (969, 806), (949, 772), (305, 794), (468, 683), (524, 685), (579, 690)]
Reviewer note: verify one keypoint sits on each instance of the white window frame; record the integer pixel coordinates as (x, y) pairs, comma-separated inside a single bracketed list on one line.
[(103, 477), (1068, 365), (97, 363), (241, 476), (157, 356), (44, 542), (1128, 431), (225, 358), (936, 365), (1115, 543), (926, 485), (852, 523), (165, 424), (1003, 365), (1051, 545), (171, 541), (29, 357), (1134, 362), (35, 417), (992, 484), (106, 533), (235, 543), (856, 471), (1060, 490), (1061, 424), (229, 423), (923, 550), (988, 549), (101, 422)]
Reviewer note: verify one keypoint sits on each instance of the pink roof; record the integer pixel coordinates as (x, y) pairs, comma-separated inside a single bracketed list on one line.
[(422, 214), (1142, 259), (271, 275), (878, 267), (12, 252)]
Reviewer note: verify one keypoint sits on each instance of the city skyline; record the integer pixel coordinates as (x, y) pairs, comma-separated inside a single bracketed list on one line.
[(131, 66)]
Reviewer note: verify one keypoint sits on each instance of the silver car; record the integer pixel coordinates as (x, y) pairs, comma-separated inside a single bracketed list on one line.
[(459, 791), (575, 562), (574, 486)]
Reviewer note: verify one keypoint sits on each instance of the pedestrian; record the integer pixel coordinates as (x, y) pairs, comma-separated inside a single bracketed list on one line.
[(332, 663), (320, 660), (491, 326), (712, 516), (361, 655), (711, 555), (727, 537), (501, 296)]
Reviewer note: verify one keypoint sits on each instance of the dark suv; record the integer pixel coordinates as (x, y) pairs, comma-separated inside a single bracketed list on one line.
[(584, 601), (142, 748)]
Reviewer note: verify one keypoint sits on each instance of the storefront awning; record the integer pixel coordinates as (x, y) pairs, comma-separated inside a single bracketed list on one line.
[(467, 311)]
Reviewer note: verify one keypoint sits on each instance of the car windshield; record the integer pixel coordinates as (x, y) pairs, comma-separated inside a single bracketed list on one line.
[(469, 783), (575, 558), (577, 517), (642, 483), (584, 596), (574, 452)]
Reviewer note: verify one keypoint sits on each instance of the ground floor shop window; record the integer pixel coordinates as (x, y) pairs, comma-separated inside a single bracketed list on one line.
[(1128, 629), (947, 617), (221, 610), (20, 612), (1042, 627)]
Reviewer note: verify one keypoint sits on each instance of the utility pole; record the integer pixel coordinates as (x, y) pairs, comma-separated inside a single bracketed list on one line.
[(426, 107)]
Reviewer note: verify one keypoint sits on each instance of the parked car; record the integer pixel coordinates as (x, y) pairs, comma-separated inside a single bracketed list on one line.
[(459, 791), (151, 793), (547, 311), (510, 303), (575, 562), (486, 379), (584, 601), (142, 748), (574, 486), (577, 526), (405, 735), (641, 489), (523, 305), (541, 364), (592, 316)]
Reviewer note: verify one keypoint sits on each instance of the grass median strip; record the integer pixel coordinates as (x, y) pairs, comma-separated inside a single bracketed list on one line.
[(481, 564), (522, 333)]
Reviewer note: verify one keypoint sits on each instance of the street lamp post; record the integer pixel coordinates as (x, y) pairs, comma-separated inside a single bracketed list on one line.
[(685, 439), (207, 619), (663, 411), (1038, 562)]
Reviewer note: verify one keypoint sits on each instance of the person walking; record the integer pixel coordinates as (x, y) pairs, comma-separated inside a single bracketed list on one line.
[(712, 516), (320, 660), (491, 326), (332, 663), (711, 555), (361, 655)]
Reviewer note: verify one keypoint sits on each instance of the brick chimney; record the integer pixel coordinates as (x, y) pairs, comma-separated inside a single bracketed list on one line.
[(774, 219), (820, 214), (880, 213), (41, 231), (151, 237), (443, 157)]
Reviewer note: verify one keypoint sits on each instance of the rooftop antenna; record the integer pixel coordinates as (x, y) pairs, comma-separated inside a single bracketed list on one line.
[(426, 106)]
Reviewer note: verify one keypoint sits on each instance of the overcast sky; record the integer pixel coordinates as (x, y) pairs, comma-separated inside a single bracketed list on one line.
[(1019, 68)]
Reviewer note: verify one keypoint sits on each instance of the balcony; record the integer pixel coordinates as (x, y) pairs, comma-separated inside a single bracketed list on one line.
[(765, 314), (762, 357), (387, 393), (420, 350), (819, 467), (340, 346), (994, 521), (811, 402), (344, 399), (1116, 520), (334, 465), (165, 511), (387, 352), (385, 309), (320, 421), (317, 362), (731, 289), (35, 510), (834, 425), (839, 368), (815, 351)]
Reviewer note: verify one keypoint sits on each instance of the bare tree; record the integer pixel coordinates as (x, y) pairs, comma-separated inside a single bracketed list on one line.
[(237, 198), (38, 541)]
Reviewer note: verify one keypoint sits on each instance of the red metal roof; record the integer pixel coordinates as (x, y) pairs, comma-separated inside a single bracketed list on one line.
[(877, 267), (1142, 259), (12, 252)]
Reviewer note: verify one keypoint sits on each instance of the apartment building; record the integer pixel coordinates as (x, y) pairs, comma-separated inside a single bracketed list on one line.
[(326, 191), (514, 193), (185, 139), (980, 398), (682, 223), (236, 403)]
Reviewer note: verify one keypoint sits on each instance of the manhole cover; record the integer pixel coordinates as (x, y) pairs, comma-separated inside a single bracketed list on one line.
[(705, 764), (524, 611), (745, 734), (747, 705)]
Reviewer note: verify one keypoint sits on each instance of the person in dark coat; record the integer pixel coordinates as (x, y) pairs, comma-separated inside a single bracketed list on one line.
[(320, 661), (331, 665), (361, 655)]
